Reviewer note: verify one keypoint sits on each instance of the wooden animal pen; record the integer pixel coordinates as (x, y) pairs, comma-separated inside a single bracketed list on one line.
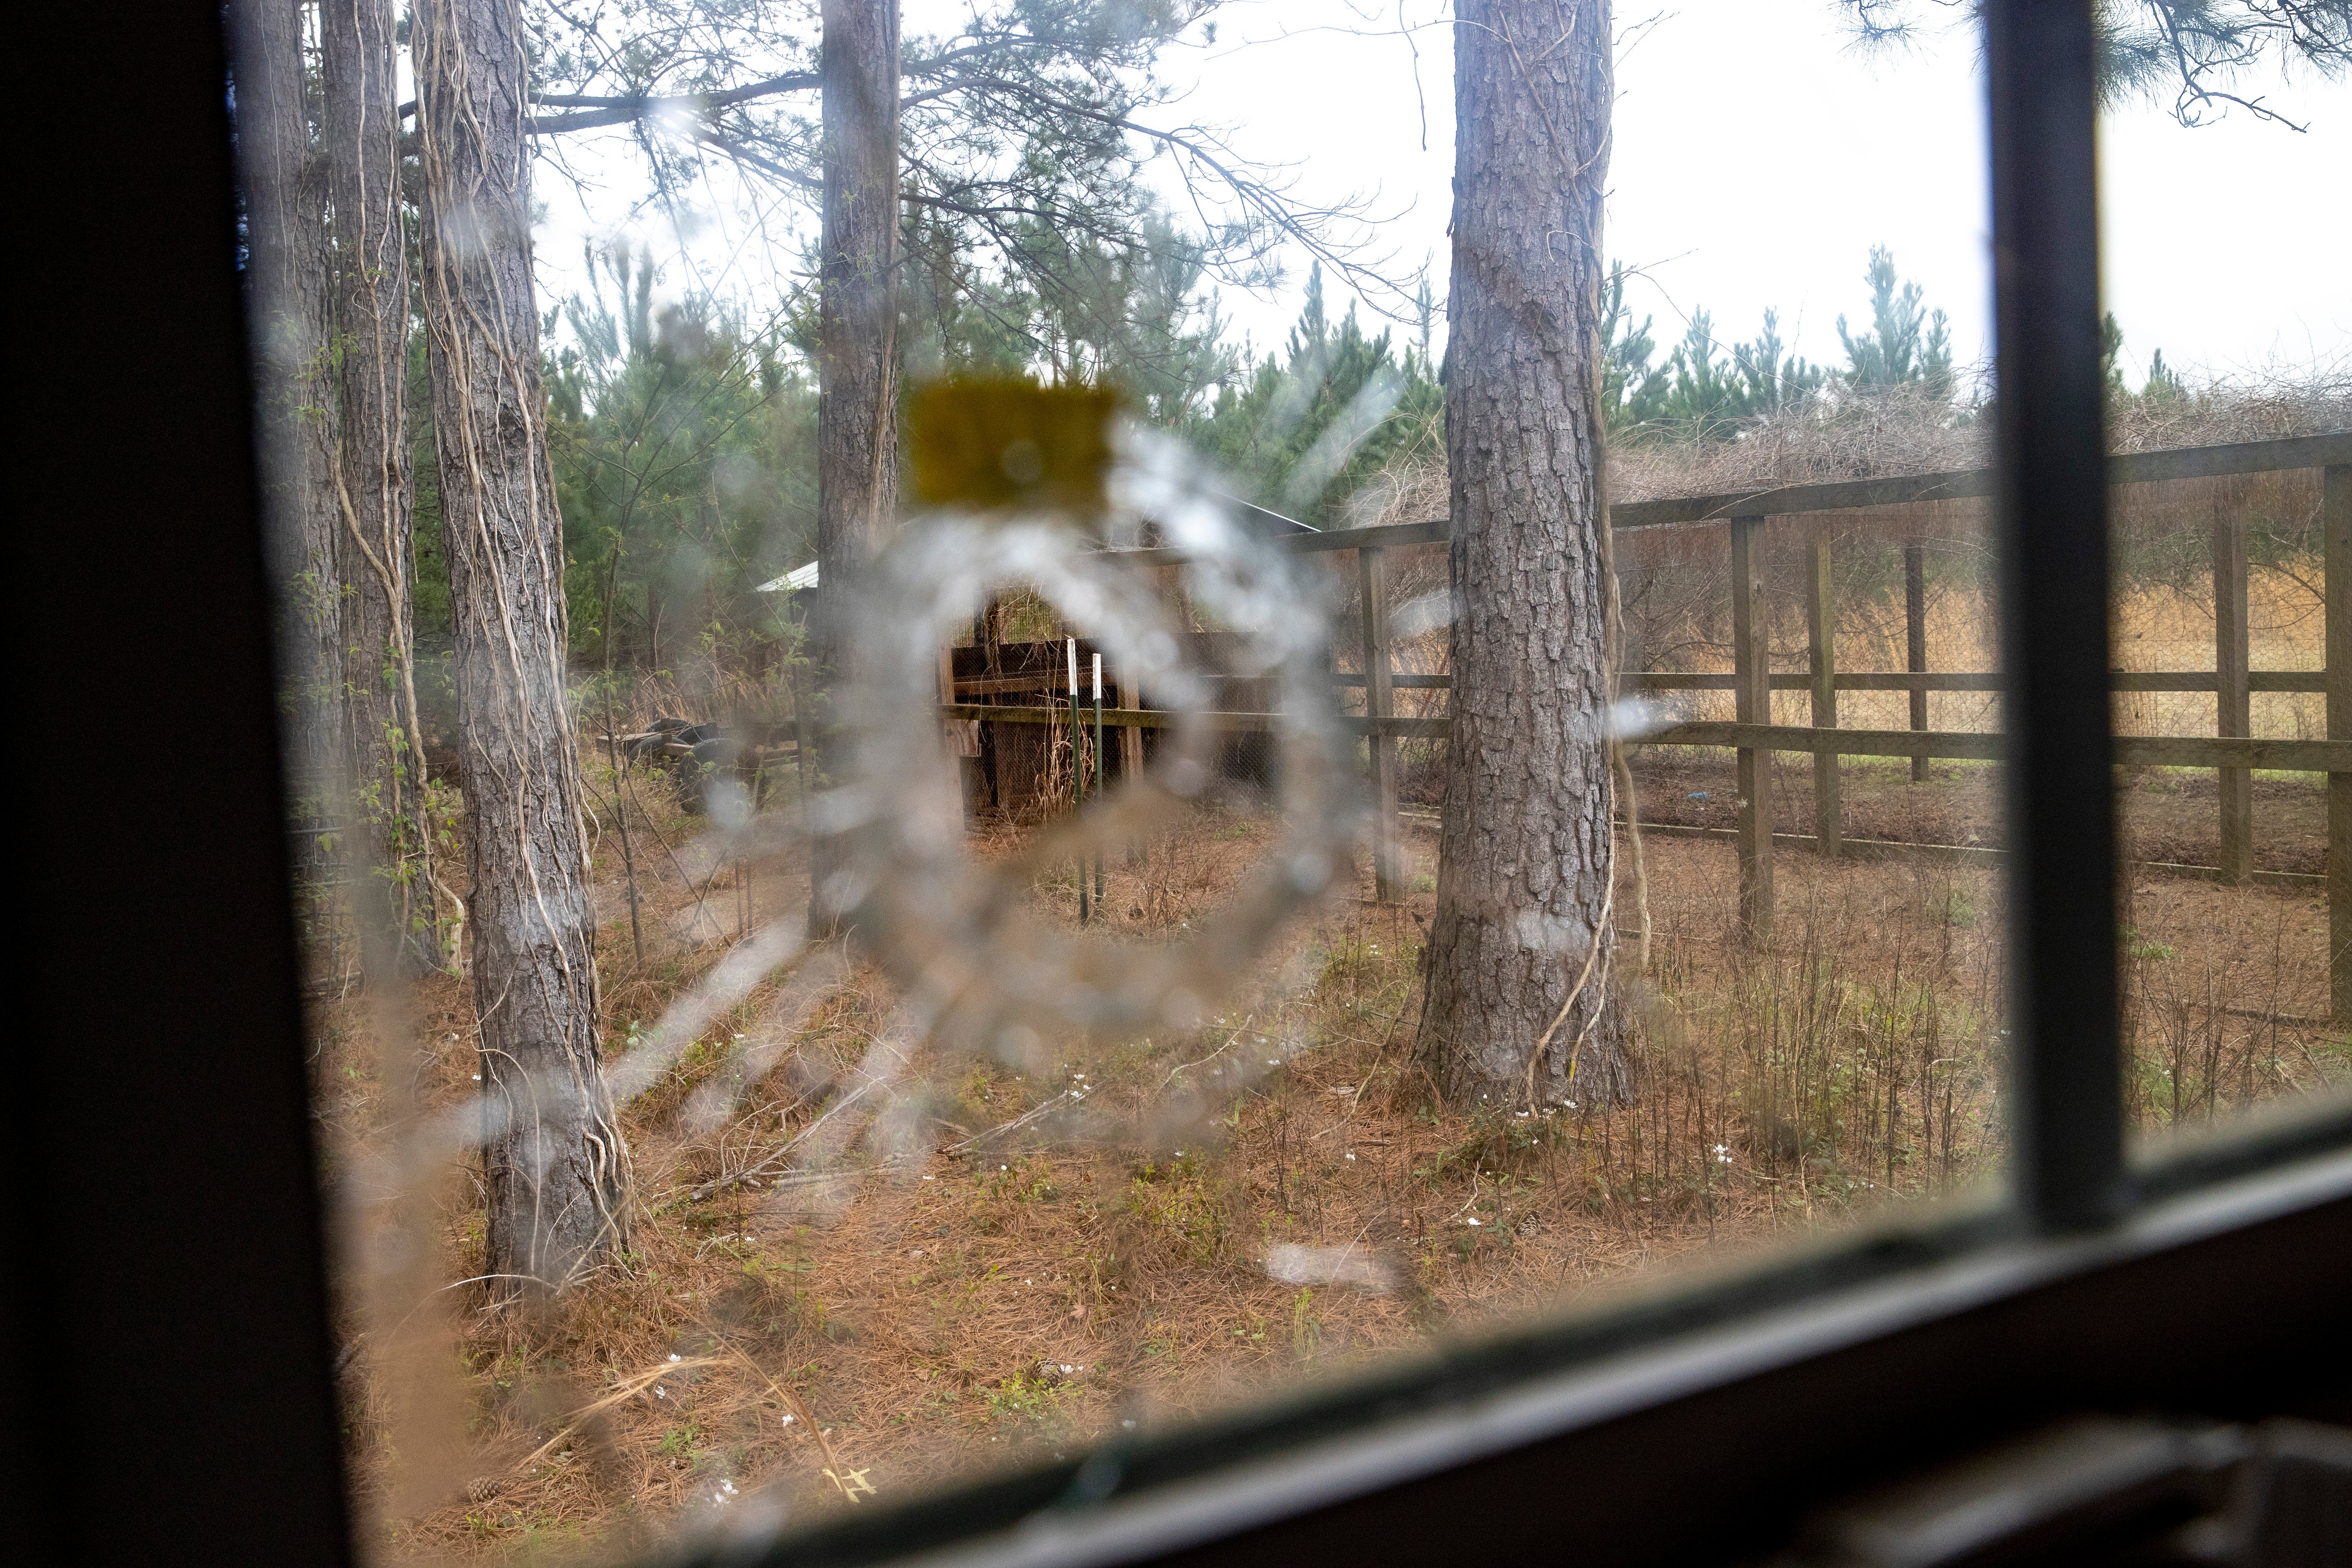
[(1746, 520)]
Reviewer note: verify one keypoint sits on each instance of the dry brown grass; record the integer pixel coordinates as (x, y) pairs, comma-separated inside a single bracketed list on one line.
[(1048, 1257), (971, 1266)]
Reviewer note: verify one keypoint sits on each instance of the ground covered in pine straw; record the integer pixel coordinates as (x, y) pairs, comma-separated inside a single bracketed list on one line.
[(1141, 1234)]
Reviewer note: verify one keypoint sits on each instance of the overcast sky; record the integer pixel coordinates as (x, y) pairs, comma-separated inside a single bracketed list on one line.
[(1758, 158)]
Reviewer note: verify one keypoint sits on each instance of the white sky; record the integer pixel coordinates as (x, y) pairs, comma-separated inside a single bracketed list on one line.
[(1758, 158)]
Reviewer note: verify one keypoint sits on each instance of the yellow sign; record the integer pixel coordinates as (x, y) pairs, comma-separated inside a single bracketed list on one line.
[(1006, 444)]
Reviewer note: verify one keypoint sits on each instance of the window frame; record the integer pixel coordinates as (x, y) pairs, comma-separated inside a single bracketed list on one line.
[(179, 1320)]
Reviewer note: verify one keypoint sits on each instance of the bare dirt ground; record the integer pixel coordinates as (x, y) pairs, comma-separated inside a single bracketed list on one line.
[(1119, 1255)]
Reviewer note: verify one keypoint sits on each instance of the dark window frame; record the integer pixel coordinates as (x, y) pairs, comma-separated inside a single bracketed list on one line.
[(167, 1306)]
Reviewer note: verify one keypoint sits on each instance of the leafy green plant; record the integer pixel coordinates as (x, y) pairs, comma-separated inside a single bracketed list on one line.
[(1305, 1328), (1031, 1400), (1185, 1206), (1027, 1181)]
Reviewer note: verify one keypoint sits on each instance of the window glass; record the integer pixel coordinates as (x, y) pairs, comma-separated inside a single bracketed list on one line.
[(2235, 970), (972, 771)]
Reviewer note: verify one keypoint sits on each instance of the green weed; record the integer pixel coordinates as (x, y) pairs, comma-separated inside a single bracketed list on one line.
[(1032, 1401)]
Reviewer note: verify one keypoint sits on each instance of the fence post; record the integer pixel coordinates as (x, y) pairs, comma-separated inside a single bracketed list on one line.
[(2233, 701), (2335, 524), (1914, 636), (1752, 692), (1380, 705), (1820, 638), (955, 759), (800, 736), (1130, 755)]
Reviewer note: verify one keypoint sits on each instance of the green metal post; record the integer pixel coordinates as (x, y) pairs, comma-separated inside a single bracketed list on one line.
[(1099, 778), (1078, 768)]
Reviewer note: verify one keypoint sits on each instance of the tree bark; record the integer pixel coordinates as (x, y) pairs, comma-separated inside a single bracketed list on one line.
[(557, 1170), (1525, 849), (393, 889), (285, 271), (858, 367)]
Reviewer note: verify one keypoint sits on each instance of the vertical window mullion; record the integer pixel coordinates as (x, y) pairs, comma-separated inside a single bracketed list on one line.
[(2066, 1093)]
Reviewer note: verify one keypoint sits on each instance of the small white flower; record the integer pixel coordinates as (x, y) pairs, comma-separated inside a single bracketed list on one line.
[(1352, 1156), (1474, 1222), (1068, 1368), (477, 1078), (788, 1420), (674, 1356)]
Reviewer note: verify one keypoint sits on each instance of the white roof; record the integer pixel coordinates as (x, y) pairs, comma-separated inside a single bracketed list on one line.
[(798, 577)]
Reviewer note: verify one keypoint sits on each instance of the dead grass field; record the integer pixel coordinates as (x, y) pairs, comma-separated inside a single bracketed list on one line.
[(1118, 1239)]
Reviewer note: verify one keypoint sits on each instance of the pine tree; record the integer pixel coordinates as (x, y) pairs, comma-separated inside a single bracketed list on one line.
[(1526, 857), (1693, 396), (1307, 425), (285, 269), (1772, 384), (857, 369), (683, 448), (1905, 345), (2199, 52), (2111, 355), (394, 896), (1633, 390), (555, 1169)]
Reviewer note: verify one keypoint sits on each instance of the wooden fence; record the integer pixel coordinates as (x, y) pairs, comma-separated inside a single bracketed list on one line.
[(2231, 752)]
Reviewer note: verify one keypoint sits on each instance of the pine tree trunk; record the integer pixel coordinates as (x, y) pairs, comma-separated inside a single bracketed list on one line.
[(556, 1169), (286, 272), (394, 887), (857, 362), (1524, 852)]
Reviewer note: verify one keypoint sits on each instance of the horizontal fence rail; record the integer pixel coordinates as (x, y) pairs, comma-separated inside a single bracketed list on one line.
[(1967, 745), (2232, 753), (1963, 745), (2311, 680), (1169, 719), (1849, 495)]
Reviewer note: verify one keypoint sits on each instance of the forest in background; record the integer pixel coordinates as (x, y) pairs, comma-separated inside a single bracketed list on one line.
[(684, 436)]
